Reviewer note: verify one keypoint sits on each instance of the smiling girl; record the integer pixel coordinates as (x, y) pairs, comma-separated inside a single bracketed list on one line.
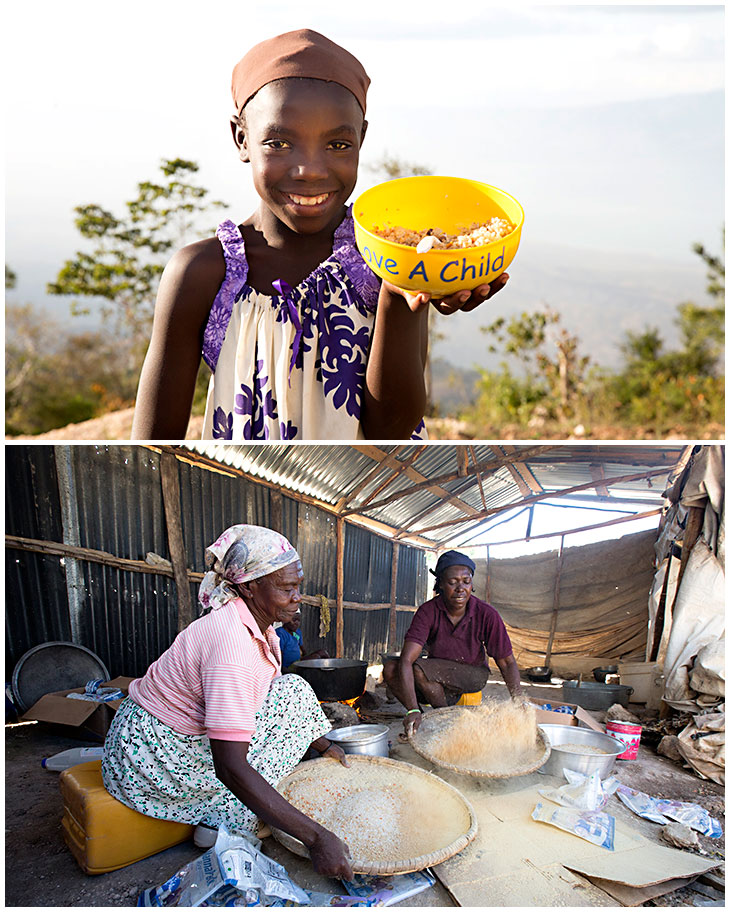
[(303, 339)]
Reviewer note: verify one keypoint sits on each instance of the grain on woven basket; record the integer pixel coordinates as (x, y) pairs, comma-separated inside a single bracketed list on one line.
[(496, 737), (382, 816), (475, 235)]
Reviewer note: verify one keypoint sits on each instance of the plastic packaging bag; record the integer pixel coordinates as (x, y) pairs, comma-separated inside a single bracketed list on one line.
[(253, 874), (389, 889), (232, 873), (586, 793), (662, 810), (94, 692), (595, 827), (191, 886)]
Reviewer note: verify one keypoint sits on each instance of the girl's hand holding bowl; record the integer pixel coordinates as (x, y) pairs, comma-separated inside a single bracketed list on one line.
[(464, 300)]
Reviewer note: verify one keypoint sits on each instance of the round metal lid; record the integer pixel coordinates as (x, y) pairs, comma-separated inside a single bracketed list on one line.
[(52, 666)]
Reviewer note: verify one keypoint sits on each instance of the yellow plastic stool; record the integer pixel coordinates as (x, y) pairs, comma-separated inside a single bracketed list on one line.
[(472, 699), (102, 833)]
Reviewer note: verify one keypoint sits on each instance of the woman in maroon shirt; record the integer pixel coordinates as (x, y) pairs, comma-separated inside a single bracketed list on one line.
[(458, 631)]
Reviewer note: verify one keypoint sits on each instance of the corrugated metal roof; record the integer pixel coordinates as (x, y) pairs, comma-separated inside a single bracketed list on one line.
[(416, 488)]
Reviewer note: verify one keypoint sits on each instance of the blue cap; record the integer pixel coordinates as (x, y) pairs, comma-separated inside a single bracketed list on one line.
[(453, 559)]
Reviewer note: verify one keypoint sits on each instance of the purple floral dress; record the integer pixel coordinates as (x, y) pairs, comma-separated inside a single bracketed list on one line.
[(290, 366)]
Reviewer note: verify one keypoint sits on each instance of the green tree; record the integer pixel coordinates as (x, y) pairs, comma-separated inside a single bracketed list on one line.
[(128, 253), (54, 377), (661, 388), (550, 372), (121, 269)]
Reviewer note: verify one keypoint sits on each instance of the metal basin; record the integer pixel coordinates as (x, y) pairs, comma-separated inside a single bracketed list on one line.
[(585, 763), (591, 695), (333, 679), (361, 739)]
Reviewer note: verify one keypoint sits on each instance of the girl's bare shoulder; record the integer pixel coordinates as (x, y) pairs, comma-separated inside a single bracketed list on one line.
[(191, 280), (201, 261)]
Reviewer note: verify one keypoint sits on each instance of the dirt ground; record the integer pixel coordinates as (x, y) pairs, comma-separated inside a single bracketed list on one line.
[(40, 870), (118, 426)]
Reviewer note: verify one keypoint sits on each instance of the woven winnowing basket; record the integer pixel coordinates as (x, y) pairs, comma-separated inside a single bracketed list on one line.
[(436, 790), (542, 746)]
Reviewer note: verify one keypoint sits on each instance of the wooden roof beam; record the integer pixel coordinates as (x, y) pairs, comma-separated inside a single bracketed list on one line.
[(379, 528), (405, 464), (619, 479), (479, 476), (434, 484), (369, 477), (619, 454), (601, 525), (598, 473), (522, 474), (466, 508)]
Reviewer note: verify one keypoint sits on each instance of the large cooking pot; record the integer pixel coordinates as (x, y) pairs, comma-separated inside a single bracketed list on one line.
[(540, 674), (602, 672), (333, 679), (591, 695)]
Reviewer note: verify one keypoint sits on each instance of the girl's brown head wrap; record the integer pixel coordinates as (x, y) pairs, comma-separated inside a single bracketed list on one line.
[(299, 53)]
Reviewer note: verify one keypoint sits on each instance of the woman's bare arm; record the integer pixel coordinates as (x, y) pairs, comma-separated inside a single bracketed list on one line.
[(328, 853)]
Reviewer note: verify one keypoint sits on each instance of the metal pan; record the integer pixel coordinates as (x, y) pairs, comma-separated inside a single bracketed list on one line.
[(333, 679)]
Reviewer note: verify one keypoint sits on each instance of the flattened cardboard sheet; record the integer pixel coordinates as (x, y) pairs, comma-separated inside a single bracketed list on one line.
[(649, 864), (529, 888), (637, 896)]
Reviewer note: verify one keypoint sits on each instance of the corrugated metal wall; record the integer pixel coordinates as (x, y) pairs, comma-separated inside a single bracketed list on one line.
[(112, 501), (315, 536), (36, 602)]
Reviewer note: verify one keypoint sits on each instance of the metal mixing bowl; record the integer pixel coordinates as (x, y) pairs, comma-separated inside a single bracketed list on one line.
[(361, 739), (581, 763)]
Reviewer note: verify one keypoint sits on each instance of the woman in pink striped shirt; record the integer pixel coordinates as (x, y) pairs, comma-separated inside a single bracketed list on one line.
[(211, 728)]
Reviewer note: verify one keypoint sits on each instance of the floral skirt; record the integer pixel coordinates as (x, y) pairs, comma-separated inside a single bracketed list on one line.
[(159, 772)]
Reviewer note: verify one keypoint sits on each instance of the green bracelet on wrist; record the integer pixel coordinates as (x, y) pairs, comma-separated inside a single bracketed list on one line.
[(412, 711)]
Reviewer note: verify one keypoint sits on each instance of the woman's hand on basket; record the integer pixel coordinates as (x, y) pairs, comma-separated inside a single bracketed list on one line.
[(412, 723), (330, 856), (336, 753), (465, 299)]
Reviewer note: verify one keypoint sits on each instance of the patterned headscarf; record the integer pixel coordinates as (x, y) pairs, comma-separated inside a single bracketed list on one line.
[(241, 553)]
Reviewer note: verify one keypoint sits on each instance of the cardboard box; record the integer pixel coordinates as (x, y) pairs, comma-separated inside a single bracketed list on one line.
[(77, 718), (579, 716)]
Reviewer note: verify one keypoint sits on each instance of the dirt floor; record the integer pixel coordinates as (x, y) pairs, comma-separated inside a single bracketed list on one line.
[(40, 870)]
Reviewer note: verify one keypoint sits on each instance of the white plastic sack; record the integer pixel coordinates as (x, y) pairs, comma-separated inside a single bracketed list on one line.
[(698, 620), (708, 671), (705, 753)]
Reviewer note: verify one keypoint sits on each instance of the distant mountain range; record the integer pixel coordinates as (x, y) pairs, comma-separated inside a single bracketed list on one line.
[(597, 302)]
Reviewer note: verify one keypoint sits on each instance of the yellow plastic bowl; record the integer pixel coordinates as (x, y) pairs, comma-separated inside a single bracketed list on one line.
[(449, 203)]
